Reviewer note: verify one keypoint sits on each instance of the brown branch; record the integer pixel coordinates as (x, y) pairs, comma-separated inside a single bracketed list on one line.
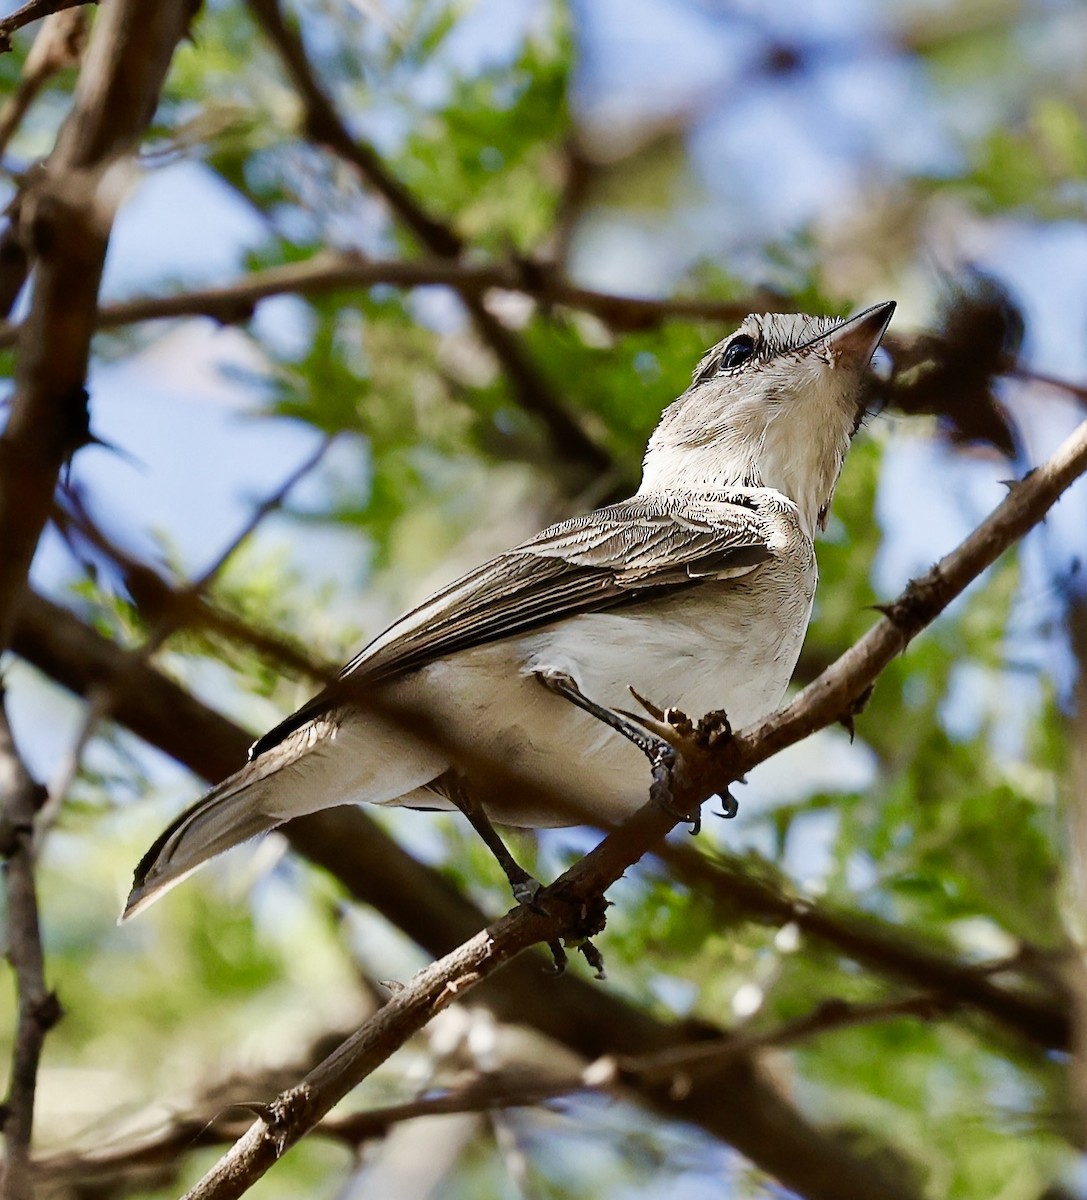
[(347, 844), (30, 12), (680, 1064), (325, 125), (702, 770), (330, 272), (65, 217), (20, 800), (376, 871)]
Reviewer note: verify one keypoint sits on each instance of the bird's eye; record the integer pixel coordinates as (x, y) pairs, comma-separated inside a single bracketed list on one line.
[(737, 352)]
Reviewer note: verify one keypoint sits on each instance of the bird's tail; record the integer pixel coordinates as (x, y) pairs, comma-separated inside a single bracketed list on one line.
[(225, 817), (262, 795)]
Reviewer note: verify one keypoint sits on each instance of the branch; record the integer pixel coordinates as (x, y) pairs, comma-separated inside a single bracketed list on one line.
[(588, 1019), (39, 1011), (58, 44), (330, 271), (700, 772), (65, 215), (32, 11), (325, 125)]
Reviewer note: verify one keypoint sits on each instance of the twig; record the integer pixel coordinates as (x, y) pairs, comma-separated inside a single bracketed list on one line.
[(491, 1091), (332, 272), (70, 209), (32, 11), (678, 1065), (20, 800), (700, 772), (1051, 381)]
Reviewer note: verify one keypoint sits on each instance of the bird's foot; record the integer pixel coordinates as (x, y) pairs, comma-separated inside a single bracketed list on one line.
[(587, 920), (674, 728)]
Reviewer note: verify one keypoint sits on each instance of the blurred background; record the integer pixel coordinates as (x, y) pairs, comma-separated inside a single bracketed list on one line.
[(635, 177)]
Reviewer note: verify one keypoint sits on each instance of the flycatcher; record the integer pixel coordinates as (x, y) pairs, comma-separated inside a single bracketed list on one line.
[(696, 593)]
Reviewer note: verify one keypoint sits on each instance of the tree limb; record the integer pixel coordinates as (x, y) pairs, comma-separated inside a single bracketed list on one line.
[(20, 800), (64, 216), (701, 771), (331, 271), (515, 1086), (588, 1019)]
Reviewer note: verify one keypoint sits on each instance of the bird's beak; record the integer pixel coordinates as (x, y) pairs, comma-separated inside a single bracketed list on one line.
[(853, 343)]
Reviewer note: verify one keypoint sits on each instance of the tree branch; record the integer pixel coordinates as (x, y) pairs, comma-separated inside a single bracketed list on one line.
[(65, 217), (700, 773), (329, 272), (58, 44), (588, 1019), (702, 770), (39, 1011), (515, 1086)]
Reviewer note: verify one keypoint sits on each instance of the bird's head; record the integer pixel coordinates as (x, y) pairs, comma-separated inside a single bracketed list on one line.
[(773, 405)]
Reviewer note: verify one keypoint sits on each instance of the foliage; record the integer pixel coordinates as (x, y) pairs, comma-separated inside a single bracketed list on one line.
[(946, 817)]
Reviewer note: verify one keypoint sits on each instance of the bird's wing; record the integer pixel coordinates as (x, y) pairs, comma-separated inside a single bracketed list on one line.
[(618, 555)]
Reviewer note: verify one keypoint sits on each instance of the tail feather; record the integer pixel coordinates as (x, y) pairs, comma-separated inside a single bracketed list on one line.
[(327, 761), (225, 817)]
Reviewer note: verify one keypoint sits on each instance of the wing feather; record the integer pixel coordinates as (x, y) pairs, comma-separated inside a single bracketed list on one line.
[(617, 555)]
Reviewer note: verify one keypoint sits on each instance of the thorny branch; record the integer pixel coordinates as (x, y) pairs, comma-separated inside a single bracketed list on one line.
[(700, 772), (20, 800), (349, 845), (589, 1020)]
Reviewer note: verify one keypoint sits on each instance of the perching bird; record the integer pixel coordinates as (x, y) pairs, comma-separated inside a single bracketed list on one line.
[(696, 593)]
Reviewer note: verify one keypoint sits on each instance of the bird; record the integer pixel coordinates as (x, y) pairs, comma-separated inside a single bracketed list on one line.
[(695, 592)]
